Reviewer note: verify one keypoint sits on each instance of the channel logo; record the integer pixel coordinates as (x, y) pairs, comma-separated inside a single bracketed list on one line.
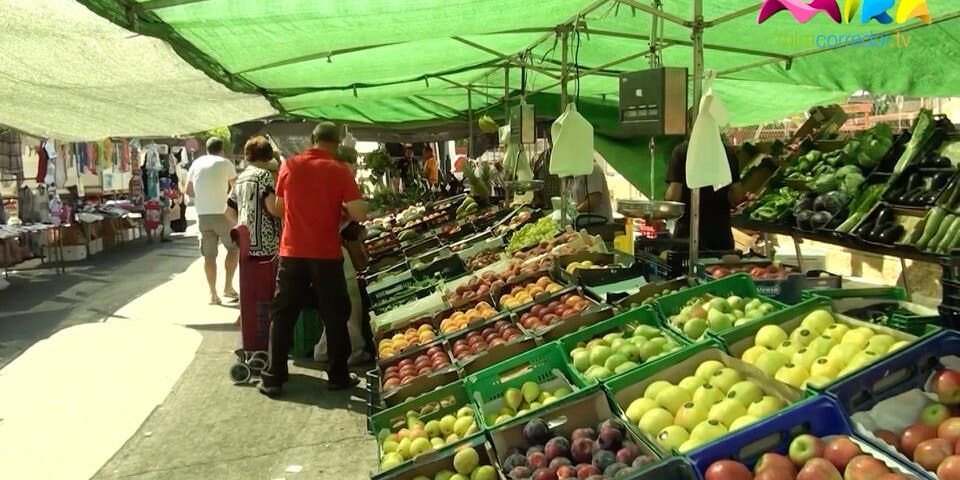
[(870, 10)]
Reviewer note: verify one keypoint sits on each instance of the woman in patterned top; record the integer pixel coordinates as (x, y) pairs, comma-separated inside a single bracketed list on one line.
[(252, 201)]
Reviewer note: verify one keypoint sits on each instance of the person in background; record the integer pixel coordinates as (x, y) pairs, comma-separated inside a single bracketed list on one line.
[(431, 167), (352, 235), (406, 165), (715, 205), (315, 192), (252, 202), (592, 193), (209, 180)]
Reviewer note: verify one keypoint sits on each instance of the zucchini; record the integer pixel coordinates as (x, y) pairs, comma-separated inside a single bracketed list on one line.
[(948, 238), (934, 219), (941, 231)]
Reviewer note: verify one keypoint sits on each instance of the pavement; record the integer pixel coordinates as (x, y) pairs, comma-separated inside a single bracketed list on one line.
[(118, 370)]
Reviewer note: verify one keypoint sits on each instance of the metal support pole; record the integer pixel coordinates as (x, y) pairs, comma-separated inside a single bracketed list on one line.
[(564, 72), (697, 38), (470, 123), (506, 94)]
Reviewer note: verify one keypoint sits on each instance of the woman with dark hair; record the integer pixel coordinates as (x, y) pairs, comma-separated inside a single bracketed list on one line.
[(252, 201)]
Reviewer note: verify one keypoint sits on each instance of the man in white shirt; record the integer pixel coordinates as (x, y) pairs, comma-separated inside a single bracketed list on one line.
[(209, 180)]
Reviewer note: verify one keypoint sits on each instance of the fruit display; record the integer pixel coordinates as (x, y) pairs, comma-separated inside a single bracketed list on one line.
[(600, 452), (467, 207), (482, 259), (717, 314), (572, 267), (524, 293), (417, 437), (621, 351), (518, 401), (407, 235), (933, 439), (771, 271), (818, 350), (459, 320), (412, 336), (515, 221), (655, 295), (551, 312), (701, 407), (406, 370), (531, 235), (936, 232), (489, 283), (478, 341), (838, 457)]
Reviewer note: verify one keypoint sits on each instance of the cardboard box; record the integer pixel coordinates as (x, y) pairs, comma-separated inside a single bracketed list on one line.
[(74, 253)]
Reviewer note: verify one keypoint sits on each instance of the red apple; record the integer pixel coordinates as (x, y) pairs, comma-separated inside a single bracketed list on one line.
[(404, 362), (425, 370), (727, 470), (407, 379), (895, 476), (949, 468), (569, 312), (889, 437), (931, 452), (947, 387), (840, 451), (497, 341), (775, 461), (804, 448), (950, 429), (912, 436), (864, 467), (819, 469), (772, 474), (549, 318)]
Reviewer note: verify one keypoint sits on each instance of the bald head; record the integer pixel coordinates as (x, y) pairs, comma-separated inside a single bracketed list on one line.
[(326, 136)]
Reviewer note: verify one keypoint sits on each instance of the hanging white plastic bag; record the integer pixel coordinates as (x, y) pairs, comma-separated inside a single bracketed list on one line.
[(572, 136), (707, 163)]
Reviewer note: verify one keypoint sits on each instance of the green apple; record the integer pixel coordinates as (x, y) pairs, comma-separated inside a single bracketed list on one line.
[(788, 348), (595, 342), (389, 446), (690, 384), (862, 359), (817, 320), (821, 345), (617, 343), (630, 351), (751, 354), (738, 314), (770, 336), (391, 460), (824, 367), (403, 448), (691, 414), (842, 353), (743, 421), (445, 475), (695, 328), (880, 343), (648, 350), (836, 330), (818, 381), (750, 315), (707, 395), (687, 446), (654, 420), (707, 431), (706, 369), (858, 336), (753, 304), (638, 407), (672, 398), (765, 407), (721, 322), (745, 392), (726, 411), (599, 354), (725, 378), (625, 367), (672, 436), (598, 373), (717, 303), (802, 336), (735, 302), (766, 308), (792, 375), (614, 361), (655, 388), (770, 362), (432, 428), (804, 358), (581, 360), (898, 346)]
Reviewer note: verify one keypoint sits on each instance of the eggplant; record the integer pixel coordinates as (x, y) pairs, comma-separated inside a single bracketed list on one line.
[(890, 235), (803, 219), (940, 180), (820, 220), (863, 231), (885, 215), (894, 194), (914, 181), (928, 198)]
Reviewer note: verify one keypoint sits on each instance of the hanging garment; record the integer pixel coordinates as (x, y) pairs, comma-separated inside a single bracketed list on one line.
[(572, 138), (43, 164), (152, 157), (56, 209), (106, 150), (26, 209), (63, 159), (42, 204), (11, 154), (124, 155), (707, 163), (93, 156), (51, 148), (153, 184), (79, 153)]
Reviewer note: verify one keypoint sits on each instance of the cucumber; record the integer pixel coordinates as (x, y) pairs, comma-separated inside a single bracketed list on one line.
[(948, 238), (941, 231), (934, 219)]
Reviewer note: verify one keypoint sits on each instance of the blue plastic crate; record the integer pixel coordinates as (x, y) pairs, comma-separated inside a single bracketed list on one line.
[(908, 369), (819, 416)]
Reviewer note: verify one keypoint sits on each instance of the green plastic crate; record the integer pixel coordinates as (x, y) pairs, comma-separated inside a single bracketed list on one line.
[(846, 299), (739, 339), (740, 284), (545, 365), (306, 333), (433, 462), (645, 315), (632, 385), (887, 293), (433, 405)]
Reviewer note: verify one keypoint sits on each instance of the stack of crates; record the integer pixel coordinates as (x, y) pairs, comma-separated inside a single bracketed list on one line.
[(950, 280)]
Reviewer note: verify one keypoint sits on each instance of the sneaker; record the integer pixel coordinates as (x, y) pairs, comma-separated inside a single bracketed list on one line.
[(270, 391), (350, 382), (359, 358)]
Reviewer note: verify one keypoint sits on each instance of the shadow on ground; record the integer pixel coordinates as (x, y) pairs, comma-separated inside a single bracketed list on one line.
[(40, 303)]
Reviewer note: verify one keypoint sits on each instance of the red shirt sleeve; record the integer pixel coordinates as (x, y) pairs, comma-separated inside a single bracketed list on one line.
[(282, 179), (351, 191)]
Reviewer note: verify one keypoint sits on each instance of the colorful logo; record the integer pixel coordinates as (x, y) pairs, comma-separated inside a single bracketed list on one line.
[(869, 10)]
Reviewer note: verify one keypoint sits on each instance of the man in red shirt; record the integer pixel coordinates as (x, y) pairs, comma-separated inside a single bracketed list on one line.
[(315, 192)]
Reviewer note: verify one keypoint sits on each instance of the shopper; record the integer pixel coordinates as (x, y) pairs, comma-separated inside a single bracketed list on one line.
[(209, 180), (352, 235), (252, 202), (592, 194), (314, 191), (715, 205), (431, 167)]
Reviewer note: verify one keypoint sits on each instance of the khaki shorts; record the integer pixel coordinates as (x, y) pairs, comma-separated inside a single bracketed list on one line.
[(214, 229)]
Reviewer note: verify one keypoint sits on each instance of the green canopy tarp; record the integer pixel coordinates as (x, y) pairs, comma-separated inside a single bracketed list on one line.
[(396, 61)]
